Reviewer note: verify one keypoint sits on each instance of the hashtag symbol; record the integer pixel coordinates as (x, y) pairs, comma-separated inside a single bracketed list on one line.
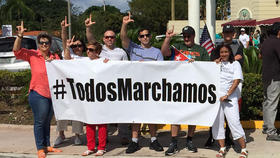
[(59, 89)]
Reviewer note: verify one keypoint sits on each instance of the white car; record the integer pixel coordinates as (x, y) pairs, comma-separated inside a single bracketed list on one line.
[(8, 60)]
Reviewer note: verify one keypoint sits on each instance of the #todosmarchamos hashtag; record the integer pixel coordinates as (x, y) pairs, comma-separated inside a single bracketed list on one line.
[(125, 89)]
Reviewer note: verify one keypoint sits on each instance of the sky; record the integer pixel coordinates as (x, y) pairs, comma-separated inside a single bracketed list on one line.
[(84, 4)]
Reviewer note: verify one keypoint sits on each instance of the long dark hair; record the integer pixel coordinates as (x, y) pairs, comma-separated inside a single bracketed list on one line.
[(231, 57)]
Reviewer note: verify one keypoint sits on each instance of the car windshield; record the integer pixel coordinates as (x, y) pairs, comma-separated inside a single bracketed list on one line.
[(6, 44)]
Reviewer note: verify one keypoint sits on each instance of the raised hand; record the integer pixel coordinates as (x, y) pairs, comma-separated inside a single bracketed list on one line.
[(127, 19), (88, 21), (170, 33), (70, 42), (21, 29), (64, 23)]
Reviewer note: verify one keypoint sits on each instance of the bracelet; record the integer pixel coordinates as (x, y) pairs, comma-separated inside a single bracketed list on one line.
[(20, 36)]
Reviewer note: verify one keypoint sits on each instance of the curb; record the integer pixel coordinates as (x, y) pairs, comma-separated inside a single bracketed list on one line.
[(252, 124)]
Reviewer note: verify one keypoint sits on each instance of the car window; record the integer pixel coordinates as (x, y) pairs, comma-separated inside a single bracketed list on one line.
[(6, 44)]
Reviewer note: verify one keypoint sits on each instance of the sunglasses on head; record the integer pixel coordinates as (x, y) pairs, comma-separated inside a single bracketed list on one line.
[(42, 42), (142, 36), (75, 46), (91, 49), (107, 37)]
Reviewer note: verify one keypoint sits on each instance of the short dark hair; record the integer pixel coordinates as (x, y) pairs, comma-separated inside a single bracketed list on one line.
[(141, 30), (231, 57), (275, 28), (44, 35), (97, 45)]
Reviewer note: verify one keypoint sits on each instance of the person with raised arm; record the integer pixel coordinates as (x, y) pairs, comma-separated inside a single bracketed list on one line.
[(192, 52), (111, 52), (75, 52), (39, 92), (142, 52)]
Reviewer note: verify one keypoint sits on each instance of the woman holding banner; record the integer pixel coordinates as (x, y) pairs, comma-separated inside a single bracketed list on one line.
[(93, 52), (230, 77), (76, 52), (39, 92)]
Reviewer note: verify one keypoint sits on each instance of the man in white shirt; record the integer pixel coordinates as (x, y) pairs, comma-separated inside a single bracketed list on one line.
[(244, 38), (109, 50)]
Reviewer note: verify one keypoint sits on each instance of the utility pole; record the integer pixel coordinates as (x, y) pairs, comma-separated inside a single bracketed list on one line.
[(104, 6), (69, 20), (172, 9)]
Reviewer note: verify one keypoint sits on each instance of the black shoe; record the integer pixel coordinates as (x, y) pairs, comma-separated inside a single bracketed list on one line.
[(264, 131), (191, 147), (273, 137), (132, 147), (156, 146), (209, 142), (172, 149)]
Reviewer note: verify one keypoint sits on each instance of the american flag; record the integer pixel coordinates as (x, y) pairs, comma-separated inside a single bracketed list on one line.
[(205, 40)]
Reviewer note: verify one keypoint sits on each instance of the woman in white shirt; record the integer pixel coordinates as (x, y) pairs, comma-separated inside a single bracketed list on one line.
[(230, 77)]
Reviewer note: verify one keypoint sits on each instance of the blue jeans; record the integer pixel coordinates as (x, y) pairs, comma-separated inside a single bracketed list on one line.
[(42, 112)]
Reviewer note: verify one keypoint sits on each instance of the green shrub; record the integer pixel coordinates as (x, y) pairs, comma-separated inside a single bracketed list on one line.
[(14, 86), (252, 97), (252, 63)]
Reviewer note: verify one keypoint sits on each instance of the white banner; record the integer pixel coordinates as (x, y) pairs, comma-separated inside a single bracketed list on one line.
[(165, 92)]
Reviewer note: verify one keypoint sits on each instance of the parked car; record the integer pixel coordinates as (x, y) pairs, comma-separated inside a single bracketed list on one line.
[(8, 60)]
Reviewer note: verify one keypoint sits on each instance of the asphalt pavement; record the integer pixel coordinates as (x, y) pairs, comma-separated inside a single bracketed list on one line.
[(17, 141)]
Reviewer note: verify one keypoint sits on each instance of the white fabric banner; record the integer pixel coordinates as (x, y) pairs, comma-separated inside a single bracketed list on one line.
[(162, 92)]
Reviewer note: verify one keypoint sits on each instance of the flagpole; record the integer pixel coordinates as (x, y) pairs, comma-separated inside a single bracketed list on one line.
[(207, 29)]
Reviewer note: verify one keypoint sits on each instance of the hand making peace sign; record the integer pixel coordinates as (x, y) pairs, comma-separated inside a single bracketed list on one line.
[(127, 19), (21, 29), (88, 21)]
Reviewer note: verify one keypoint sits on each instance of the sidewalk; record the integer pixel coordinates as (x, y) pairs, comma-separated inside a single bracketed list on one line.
[(17, 141)]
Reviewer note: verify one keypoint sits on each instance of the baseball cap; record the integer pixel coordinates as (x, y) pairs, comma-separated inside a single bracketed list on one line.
[(188, 30), (242, 29), (228, 28)]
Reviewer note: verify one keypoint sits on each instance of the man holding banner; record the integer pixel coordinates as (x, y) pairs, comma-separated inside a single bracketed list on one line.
[(143, 52), (191, 52), (111, 52)]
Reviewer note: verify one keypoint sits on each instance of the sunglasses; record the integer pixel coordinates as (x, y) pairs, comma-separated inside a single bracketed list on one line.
[(107, 37), (42, 42), (147, 35), (187, 36), (75, 46), (91, 50)]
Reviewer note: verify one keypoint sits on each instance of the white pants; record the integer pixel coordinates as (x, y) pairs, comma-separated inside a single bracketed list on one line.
[(77, 126), (231, 111)]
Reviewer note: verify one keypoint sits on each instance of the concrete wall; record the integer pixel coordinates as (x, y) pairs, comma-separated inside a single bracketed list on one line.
[(259, 9)]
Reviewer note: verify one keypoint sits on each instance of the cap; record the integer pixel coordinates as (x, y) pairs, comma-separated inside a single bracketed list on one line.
[(188, 30), (228, 28), (242, 29)]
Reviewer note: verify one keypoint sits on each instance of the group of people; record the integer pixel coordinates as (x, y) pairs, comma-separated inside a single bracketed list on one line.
[(229, 55), (252, 40)]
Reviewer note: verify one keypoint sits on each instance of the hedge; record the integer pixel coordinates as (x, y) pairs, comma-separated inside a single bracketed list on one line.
[(252, 92), (14, 86)]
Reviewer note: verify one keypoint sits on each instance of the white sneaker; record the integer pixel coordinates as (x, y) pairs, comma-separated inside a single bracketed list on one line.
[(59, 140), (78, 140)]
